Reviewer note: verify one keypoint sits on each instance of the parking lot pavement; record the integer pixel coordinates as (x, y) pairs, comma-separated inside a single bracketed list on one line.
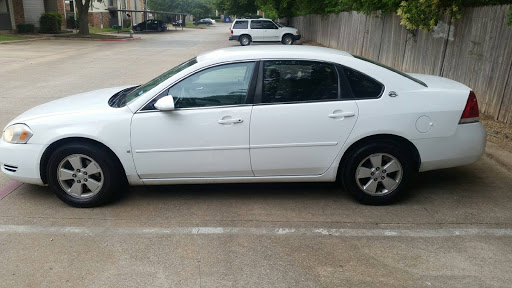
[(454, 229)]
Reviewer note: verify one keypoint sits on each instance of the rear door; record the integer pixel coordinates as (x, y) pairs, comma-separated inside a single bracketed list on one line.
[(301, 119), (257, 31)]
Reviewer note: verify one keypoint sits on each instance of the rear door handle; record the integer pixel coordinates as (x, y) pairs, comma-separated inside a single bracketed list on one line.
[(230, 121), (341, 114)]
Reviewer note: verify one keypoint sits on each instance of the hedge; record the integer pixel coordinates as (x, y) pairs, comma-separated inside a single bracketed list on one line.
[(50, 22)]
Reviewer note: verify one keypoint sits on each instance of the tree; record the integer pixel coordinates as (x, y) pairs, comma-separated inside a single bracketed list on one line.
[(82, 7), (198, 8), (236, 7)]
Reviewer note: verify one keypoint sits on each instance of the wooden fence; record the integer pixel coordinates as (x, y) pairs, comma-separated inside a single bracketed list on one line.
[(475, 50)]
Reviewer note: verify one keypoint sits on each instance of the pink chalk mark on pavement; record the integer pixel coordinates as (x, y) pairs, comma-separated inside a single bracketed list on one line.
[(10, 187)]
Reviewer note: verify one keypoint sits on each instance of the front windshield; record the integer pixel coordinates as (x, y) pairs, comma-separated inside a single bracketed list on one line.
[(141, 90)]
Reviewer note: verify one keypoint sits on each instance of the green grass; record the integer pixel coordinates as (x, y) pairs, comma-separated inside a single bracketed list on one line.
[(191, 25), (10, 38), (98, 30)]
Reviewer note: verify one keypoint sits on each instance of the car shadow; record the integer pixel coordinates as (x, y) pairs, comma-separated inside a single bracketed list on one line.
[(432, 183)]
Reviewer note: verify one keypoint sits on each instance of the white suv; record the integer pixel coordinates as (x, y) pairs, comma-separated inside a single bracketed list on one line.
[(262, 30)]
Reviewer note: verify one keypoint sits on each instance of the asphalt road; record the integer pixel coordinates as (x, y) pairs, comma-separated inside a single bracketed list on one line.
[(454, 229)]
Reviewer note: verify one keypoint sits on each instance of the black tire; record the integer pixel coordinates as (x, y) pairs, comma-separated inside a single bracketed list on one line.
[(245, 40), (287, 40), (349, 169), (114, 179), (138, 29)]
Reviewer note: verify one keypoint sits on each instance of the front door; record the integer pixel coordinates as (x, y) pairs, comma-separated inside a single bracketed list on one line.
[(271, 31), (207, 135), (302, 120)]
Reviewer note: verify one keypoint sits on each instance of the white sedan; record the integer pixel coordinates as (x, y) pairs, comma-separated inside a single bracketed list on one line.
[(249, 114)]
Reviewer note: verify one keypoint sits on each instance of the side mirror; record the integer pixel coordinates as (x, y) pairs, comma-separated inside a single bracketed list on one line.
[(165, 103)]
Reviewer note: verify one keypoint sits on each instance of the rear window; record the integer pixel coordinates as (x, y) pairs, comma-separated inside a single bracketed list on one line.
[(393, 70), (240, 25)]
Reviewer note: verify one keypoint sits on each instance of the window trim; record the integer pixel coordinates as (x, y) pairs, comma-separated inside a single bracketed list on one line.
[(250, 92), (343, 67), (259, 87)]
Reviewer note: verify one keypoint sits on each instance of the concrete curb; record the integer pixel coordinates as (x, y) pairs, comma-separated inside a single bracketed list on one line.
[(499, 155), (121, 39), (25, 40)]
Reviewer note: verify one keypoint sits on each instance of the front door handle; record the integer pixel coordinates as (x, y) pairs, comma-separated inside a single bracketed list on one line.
[(230, 121), (341, 114)]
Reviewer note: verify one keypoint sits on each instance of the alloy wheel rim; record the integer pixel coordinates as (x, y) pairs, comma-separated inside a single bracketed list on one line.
[(288, 41), (379, 174), (80, 176), (245, 41)]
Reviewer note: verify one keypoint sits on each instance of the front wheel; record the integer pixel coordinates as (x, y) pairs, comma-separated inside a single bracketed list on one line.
[(377, 173), (85, 175), (287, 40)]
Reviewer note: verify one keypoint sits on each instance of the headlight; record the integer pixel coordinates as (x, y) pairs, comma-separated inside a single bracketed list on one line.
[(17, 134)]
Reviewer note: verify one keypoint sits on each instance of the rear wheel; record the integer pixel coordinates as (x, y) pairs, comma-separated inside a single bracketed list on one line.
[(287, 40), (245, 40), (377, 173), (85, 175)]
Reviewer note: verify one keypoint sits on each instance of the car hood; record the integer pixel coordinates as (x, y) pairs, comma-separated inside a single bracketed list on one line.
[(76, 104), (289, 29)]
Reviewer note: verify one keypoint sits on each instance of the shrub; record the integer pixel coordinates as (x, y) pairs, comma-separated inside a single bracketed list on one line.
[(25, 28), (50, 22), (71, 23)]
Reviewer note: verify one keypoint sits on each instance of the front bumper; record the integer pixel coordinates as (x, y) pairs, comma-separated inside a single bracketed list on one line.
[(296, 37), (21, 161), (465, 147), (232, 37)]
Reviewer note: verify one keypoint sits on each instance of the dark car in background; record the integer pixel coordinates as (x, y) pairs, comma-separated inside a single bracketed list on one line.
[(150, 25), (206, 21)]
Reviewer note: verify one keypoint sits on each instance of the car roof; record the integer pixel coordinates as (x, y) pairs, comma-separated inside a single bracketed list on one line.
[(250, 19), (270, 52)]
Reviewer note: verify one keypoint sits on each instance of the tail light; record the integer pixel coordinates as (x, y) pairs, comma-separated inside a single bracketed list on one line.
[(231, 31), (470, 113)]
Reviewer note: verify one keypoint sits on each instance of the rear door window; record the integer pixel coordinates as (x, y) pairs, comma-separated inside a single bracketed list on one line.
[(256, 24), (287, 81)]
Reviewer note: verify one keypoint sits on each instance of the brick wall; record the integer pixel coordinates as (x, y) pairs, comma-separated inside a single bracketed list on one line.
[(95, 19), (19, 15)]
